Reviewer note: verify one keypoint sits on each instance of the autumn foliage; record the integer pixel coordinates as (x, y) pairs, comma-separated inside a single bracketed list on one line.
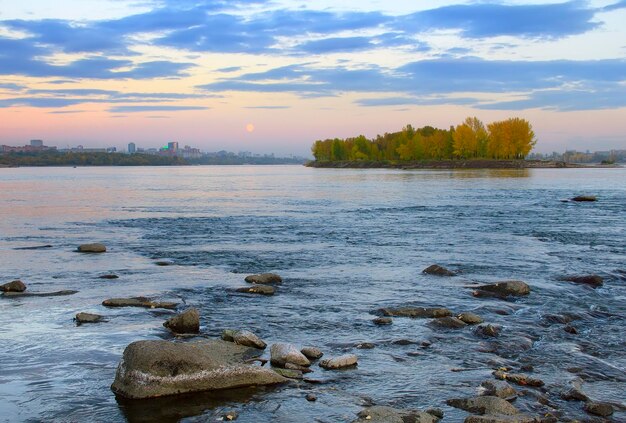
[(508, 139)]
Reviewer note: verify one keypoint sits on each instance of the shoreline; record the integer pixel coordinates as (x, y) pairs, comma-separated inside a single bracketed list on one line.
[(455, 164)]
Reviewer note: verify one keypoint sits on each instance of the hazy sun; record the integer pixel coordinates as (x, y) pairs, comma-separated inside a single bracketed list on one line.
[(249, 127)]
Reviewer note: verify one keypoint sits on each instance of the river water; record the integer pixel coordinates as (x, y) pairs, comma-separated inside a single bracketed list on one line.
[(346, 242)]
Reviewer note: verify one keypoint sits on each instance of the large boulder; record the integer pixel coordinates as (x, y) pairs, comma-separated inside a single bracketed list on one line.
[(437, 270), (503, 289), (96, 247), (13, 286), (594, 281), (138, 302), (264, 279), (258, 289), (312, 353), (243, 337), (186, 322), (382, 414), (151, 369), (470, 318), (343, 361), (415, 312), (87, 318), (283, 353)]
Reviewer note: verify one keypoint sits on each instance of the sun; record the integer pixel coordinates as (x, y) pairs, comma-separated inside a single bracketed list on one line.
[(249, 127)]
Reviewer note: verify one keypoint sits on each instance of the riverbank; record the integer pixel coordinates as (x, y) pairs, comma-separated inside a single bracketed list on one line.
[(452, 164)]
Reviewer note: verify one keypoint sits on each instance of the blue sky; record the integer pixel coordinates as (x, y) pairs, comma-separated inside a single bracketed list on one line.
[(300, 71)]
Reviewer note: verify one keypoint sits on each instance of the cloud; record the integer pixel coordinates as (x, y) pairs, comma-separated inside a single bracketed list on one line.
[(229, 69), (416, 101), (269, 107), (615, 6), (335, 45), (156, 108)]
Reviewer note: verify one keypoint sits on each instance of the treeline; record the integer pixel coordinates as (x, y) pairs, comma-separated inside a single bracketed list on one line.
[(508, 139), (52, 158)]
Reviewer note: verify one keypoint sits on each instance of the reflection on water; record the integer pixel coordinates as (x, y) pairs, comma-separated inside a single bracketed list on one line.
[(347, 242)]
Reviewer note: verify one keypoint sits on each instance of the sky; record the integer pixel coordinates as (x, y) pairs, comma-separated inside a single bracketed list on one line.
[(274, 76)]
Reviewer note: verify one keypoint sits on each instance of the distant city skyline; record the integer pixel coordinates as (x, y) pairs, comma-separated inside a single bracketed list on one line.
[(274, 76)]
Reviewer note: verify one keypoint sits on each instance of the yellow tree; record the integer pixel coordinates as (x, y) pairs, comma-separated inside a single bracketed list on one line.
[(469, 138), (510, 139)]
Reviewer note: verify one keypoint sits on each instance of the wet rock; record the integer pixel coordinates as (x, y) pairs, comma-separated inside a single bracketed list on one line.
[(164, 262), (571, 329), (311, 397), (185, 322), (574, 393), (258, 289), (39, 294), (230, 415), (415, 312), (87, 318), (437, 412), (264, 279), (92, 248), (585, 198), (500, 389), (150, 369), (518, 378), (484, 405), (243, 337), (13, 286), (437, 270), (35, 247), (447, 323), (403, 342), (298, 367), (470, 318), (488, 330), (382, 414), (108, 276), (312, 353), (365, 345), (503, 289), (501, 418), (594, 281), (282, 353), (137, 302), (347, 360), (602, 409), (381, 321), (288, 373)]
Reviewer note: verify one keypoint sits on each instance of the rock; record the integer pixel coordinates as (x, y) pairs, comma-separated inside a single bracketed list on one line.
[(503, 289), (594, 281), (151, 369), (602, 409), (518, 378), (311, 397), (437, 412), (137, 302), (39, 294), (501, 418), (437, 270), (264, 279), (302, 369), (282, 353), (415, 312), (230, 415), (500, 389), (258, 289), (92, 248), (243, 337), (13, 286), (403, 342), (570, 329), (484, 405), (382, 414), (186, 322), (347, 360), (574, 394), (108, 276), (164, 263), (87, 318), (288, 373), (470, 318), (312, 353), (447, 323), (585, 198), (365, 345), (488, 330), (380, 321)]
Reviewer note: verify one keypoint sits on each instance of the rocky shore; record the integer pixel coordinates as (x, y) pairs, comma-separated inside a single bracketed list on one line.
[(452, 164)]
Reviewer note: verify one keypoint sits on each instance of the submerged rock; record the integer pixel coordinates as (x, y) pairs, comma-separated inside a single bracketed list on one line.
[(288, 373), (108, 276), (488, 330), (186, 322), (381, 321), (96, 247), (594, 281), (258, 289), (415, 312), (13, 286), (264, 279), (312, 353), (283, 353), (164, 262), (501, 418), (151, 369), (230, 415), (347, 360), (500, 389), (87, 318), (383, 414), (518, 378), (470, 318), (602, 409), (584, 198), (437, 270), (503, 289), (447, 323), (484, 405), (137, 302), (39, 294), (311, 397), (243, 337)]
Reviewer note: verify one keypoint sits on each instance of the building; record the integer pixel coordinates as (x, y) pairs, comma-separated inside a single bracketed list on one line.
[(35, 146), (172, 147), (132, 148), (36, 143)]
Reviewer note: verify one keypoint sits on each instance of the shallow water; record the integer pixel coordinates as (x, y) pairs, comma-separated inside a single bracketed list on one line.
[(347, 242)]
